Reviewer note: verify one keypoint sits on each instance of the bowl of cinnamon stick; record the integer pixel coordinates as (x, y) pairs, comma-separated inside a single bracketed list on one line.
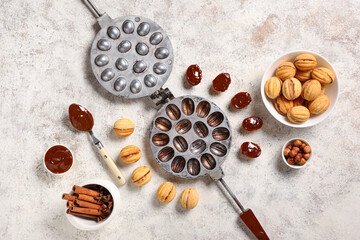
[(92, 204)]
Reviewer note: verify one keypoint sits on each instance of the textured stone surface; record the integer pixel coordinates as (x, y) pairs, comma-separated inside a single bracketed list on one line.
[(44, 67)]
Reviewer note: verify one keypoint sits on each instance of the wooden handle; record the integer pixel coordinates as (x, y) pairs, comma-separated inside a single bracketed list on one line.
[(112, 166), (253, 224)]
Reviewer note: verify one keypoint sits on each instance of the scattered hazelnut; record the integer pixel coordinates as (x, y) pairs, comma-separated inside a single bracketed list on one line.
[(189, 198), (291, 161), (306, 156), (166, 192), (293, 153), (297, 143), (302, 161), (124, 127), (130, 154), (302, 145), (307, 149), (286, 152), (141, 176)]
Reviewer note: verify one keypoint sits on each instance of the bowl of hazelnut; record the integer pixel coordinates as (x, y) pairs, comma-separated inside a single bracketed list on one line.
[(300, 88), (296, 153)]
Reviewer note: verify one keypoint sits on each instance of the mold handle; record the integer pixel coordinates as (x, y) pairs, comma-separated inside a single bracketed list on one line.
[(249, 218), (247, 215), (94, 8)]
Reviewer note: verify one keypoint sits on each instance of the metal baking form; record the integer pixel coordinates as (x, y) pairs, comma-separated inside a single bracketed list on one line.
[(131, 56), (190, 137)]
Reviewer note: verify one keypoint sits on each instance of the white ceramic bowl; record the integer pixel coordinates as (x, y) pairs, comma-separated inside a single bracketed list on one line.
[(291, 142), (91, 225), (332, 90), (58, 174)]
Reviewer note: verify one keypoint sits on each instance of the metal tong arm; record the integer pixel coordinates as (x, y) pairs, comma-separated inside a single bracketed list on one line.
[(247, 215), (94, 8)]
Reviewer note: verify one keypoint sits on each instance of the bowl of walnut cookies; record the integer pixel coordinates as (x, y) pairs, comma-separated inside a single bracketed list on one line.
[(300, 89)]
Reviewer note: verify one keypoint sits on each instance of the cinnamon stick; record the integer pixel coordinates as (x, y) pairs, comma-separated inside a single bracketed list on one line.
[(88, 205), (87, 198), (88, 211), (66, 196), (82, 215), (86, 191), (70, 204)]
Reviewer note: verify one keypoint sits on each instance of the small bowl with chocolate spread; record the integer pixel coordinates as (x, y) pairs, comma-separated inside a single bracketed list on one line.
[(58, 160)]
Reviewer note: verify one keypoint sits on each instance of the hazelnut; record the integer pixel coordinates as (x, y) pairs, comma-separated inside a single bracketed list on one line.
[(166, 192), (189, 198), (306, 156), (296, 149), (273, 87), (298, 114), (323, 75), (302, 161), (289, 146), (293, 153), (282, 105), (285, 70), (311, 89), (299, 101), (297, 158), (319, 105), (305, 62), (291, 88), (130, 154), (299, 155), (124, 127), (303, 76), (291, 161), (141, 176), (286, 152), (302, 145), (307, 149), (297, 142)]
